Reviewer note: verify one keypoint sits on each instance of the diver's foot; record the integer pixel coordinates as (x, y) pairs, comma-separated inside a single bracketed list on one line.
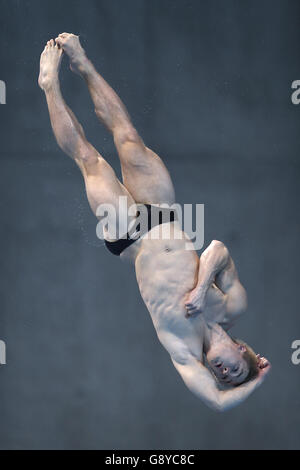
[(49, 65), (71, 45)]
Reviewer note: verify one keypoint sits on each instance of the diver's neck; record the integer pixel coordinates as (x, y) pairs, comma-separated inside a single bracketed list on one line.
[(214, 333)]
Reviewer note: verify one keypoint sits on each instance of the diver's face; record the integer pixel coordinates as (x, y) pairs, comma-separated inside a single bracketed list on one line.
[(228, 364)]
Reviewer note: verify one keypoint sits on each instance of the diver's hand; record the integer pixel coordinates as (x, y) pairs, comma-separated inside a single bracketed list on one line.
[(264, 367), (195, 302)]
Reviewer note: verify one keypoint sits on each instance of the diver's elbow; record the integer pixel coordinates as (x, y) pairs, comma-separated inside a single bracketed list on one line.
[(220, 405), (217, 406)]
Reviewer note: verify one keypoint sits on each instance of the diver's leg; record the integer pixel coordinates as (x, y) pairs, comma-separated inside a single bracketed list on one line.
[(102, 185), (144, 173)]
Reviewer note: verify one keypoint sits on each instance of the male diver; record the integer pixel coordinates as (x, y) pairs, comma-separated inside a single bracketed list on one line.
[(192, 302)]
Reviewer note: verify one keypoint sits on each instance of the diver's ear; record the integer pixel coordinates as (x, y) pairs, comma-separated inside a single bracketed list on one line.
[(242, 348)]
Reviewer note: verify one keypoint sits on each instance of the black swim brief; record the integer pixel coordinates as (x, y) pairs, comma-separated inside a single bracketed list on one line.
[(155, 215)]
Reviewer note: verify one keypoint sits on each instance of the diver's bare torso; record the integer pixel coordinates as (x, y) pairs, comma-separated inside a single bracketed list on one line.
[(166, 273)]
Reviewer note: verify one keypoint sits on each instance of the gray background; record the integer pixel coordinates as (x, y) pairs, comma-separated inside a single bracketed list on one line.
[(208, 85)]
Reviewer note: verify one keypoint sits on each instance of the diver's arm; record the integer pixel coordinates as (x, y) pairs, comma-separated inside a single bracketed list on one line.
[(233, 397), (236, 302), (213, 260), (202, 383), (217, 267)]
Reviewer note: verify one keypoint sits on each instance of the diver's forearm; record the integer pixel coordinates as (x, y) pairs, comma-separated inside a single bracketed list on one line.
[(219, 400), (212, 261), (230, 398)]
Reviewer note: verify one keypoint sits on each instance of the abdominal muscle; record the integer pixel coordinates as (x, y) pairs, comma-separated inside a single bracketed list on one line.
[(166, 272)]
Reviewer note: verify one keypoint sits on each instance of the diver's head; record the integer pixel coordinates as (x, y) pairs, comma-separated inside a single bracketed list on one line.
[(233, 362)]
